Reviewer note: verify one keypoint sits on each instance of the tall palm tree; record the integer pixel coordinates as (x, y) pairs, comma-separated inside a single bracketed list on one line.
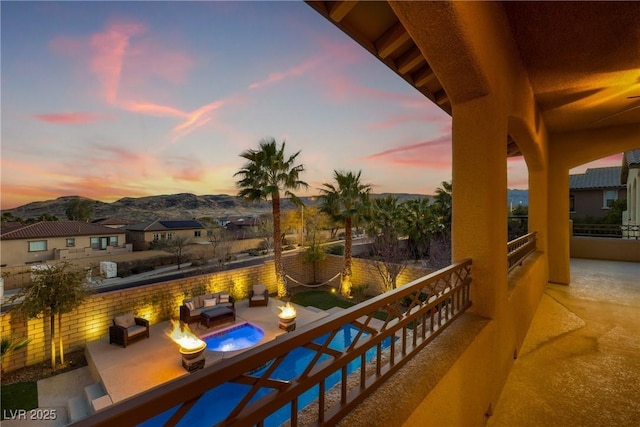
[(346, 202), (420, 223), (268, 172), (443, 203)]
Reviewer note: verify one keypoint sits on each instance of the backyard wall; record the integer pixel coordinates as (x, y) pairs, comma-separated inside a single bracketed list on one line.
[(161, 301), (156, 303), (365, 273)]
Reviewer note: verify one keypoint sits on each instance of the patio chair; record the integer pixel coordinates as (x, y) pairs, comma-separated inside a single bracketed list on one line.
[(258, 296), (127, 329)]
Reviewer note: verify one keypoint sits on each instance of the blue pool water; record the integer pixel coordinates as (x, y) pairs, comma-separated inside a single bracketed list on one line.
[(214, 406), (234, 338)]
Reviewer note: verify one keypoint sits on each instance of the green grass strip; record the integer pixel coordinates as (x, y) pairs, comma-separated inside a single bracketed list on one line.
[(19, 396)]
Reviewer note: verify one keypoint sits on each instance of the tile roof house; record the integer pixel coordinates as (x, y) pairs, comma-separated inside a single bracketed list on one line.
[(630, 176), (58, 240), (592, 193), (143, 234), (114, 222)]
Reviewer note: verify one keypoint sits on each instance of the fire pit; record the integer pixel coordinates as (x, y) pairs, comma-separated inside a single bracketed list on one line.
[(191, 347), (287, 317)]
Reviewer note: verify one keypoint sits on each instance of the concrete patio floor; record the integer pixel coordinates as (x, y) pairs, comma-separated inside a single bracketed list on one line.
[(125, 372), (580, 361)]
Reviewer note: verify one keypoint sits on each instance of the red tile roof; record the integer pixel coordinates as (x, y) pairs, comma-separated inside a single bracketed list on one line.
[(58, 229)]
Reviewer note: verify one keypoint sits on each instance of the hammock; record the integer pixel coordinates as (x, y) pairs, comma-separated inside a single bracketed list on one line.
[(312, 286)]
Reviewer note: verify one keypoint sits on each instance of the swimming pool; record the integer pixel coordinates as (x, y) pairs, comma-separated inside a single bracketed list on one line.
[(237, 337), (215, 404)]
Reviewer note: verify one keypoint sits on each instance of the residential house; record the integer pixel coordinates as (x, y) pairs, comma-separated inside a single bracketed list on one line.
[(58, 240), (114, 222), (591, 194), (631, 177), (143, 234), (244, 227)]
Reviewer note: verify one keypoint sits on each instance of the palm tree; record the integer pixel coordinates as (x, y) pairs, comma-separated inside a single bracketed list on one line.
[(346, 202), (420, 223), (443, 204), (266, 173)]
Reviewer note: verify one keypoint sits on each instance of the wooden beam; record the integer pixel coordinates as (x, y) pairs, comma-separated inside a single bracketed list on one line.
[(392, 39), (423, 76), (409, 60), (338, 10), (441, 97)]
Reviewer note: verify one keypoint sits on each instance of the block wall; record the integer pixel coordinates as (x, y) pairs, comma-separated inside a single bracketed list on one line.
[(161, 301)]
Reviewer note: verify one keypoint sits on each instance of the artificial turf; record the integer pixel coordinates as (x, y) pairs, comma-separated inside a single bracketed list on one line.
[(19, 396)]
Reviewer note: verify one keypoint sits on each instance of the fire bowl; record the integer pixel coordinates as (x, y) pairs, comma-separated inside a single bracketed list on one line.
[(192, 353)]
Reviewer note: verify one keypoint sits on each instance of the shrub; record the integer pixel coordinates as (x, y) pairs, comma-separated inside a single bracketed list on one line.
[(289, 247), (335, 250), (358, 291), (406, 301)]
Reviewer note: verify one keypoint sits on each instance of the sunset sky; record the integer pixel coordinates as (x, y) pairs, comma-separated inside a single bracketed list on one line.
[(114, 99)]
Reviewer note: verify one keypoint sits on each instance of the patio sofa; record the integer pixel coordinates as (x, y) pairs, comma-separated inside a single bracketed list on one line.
[(191, 308), (127, 329)]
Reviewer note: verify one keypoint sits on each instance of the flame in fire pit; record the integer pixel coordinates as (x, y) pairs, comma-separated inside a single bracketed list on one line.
[(287, 311), (182, 335)]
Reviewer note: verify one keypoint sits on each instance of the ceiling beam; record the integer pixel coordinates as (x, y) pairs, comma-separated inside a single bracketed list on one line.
[(441, 97), (391, 40), (338, 10), (409, 60), (423, 76)]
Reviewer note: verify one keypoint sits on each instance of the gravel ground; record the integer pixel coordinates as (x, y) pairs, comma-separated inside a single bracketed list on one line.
[(73, 360)]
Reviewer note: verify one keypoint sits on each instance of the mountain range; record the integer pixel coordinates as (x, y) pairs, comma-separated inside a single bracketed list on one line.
[(187, 205)]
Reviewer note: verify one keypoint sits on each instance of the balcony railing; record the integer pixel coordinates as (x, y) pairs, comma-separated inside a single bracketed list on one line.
[(413, 316), (520, 248), (631, 231)]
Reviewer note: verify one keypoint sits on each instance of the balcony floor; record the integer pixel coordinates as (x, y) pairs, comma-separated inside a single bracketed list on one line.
[(580, 361)]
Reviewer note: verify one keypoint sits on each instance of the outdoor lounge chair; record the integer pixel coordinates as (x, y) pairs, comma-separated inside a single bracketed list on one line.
[(127, 329), (258, 296)]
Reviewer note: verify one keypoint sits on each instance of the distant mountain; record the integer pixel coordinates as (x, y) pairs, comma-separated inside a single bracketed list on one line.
[(187, 205), (517, 197)]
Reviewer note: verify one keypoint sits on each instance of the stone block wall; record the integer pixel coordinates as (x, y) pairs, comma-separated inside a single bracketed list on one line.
[(365, 273), (161, 301)]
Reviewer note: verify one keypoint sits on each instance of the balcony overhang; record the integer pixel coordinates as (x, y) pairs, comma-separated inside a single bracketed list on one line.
[(582, 59)]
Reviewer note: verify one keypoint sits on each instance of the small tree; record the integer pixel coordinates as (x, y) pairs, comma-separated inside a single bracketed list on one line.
[(55, 290), (385, 224), (178, 246), (314, 254), (79, 209), (220, 241)]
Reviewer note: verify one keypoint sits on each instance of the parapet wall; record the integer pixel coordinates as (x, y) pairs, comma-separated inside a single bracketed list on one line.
[(605, 248)]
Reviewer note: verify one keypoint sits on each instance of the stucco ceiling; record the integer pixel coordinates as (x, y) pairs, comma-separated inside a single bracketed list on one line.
[(582, 58)]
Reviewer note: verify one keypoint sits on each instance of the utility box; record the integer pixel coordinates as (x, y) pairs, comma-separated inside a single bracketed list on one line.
[(108, 269)]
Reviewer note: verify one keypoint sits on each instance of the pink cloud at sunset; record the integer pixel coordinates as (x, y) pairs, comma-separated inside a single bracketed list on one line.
[(108, 50), (401, 119), (613, 160), (72, 118), (434, 154), (294, 71)]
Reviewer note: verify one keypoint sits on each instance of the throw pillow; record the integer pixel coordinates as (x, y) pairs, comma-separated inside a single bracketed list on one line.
[(258, 289), (190, 305), (126, 320), (209, 302), (224, 298)]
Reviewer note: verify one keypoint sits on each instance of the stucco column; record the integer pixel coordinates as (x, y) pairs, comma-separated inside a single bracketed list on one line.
[(559, 242), (479, 229)]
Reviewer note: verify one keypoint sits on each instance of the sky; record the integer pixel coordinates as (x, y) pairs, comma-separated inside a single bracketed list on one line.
[(128, 99)]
